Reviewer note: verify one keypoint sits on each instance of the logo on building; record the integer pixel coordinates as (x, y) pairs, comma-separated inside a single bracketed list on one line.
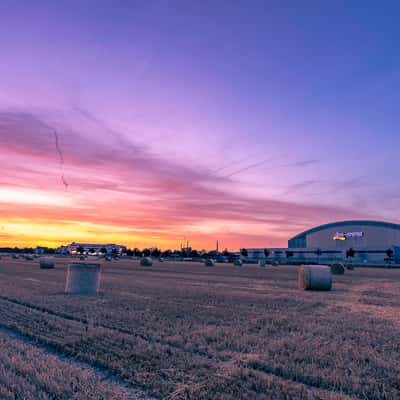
[(347, 235)]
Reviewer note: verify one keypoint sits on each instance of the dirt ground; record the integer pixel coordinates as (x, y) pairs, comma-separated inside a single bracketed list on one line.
[(186, 331)]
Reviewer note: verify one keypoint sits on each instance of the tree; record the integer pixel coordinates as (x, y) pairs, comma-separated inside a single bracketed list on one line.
[(137, 252), (80, 250), (226, 253), (129, 253), (289, 253), (244, 252), (350, 253), (177, 253), (114, 251), (194, 253), (389, 253), (167, 253), (146, 252), (318, 252), (211, 254), (155, 253), (266, 252)]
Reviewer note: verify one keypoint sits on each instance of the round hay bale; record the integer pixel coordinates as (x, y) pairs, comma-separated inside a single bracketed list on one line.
[(108, 258), (83, 278), (262, 263), (146, 262), (238, 263), (161, 259), (15, 256), (28, 258), (315, 277), (46, 262), (209, 263), (337, 269)]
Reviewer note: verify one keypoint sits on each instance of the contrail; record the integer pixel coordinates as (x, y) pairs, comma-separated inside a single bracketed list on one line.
[(247, 168), (63, 180), (116, 135), (230, 165)]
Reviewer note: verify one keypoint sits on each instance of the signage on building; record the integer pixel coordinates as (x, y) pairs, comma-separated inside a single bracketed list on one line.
[(347, 235)]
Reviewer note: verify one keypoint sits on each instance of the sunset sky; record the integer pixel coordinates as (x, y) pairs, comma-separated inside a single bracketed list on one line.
[(146, 122)]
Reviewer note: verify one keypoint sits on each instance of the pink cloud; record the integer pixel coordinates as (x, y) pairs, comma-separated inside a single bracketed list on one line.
[(116, 182)]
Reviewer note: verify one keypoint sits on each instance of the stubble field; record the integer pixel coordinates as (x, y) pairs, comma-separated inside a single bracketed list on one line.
[(185, 331)]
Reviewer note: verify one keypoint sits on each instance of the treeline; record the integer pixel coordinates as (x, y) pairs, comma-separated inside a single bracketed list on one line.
[(25, 250), (135, 252), (190, 253)]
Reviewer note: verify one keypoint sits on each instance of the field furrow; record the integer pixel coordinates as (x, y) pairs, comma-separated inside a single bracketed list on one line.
[(184, 333)]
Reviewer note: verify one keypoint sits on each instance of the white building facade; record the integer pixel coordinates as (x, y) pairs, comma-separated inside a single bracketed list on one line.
[(92, 248)]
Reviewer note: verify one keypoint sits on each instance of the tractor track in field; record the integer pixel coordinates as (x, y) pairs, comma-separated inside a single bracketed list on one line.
[(84, 321), (55, 349), (131, 391)]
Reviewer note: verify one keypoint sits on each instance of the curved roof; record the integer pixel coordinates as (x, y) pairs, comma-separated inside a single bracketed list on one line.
[(381, 224)]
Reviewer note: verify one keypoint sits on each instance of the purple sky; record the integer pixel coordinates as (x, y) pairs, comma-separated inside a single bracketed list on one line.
[(244, 122)]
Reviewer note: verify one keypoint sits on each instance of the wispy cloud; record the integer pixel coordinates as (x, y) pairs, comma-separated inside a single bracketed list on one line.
[(300, 186), (302, 163), (248, 167), (122, 184), (230, 165)]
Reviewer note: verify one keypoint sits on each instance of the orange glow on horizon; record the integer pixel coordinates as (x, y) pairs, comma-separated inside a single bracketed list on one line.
[(18, 232), (121, 192)]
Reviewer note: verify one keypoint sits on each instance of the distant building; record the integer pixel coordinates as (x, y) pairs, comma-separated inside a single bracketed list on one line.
[(91, 248), (361, 241)]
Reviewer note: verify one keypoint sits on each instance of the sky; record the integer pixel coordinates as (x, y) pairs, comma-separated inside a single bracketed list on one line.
[(147, 123)]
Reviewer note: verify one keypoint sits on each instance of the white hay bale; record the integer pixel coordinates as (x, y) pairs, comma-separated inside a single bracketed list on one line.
[(262, 263), (146, 262), (209, 263), (15, 256), (238, 263), (337, 268), (161, 259), (46, 262), (315, 277), (108, 258), (28, 258), (83, 278)]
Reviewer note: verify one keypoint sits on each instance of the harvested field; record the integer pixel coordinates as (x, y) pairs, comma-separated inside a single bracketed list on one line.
[(185, 331), (30, 372)]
